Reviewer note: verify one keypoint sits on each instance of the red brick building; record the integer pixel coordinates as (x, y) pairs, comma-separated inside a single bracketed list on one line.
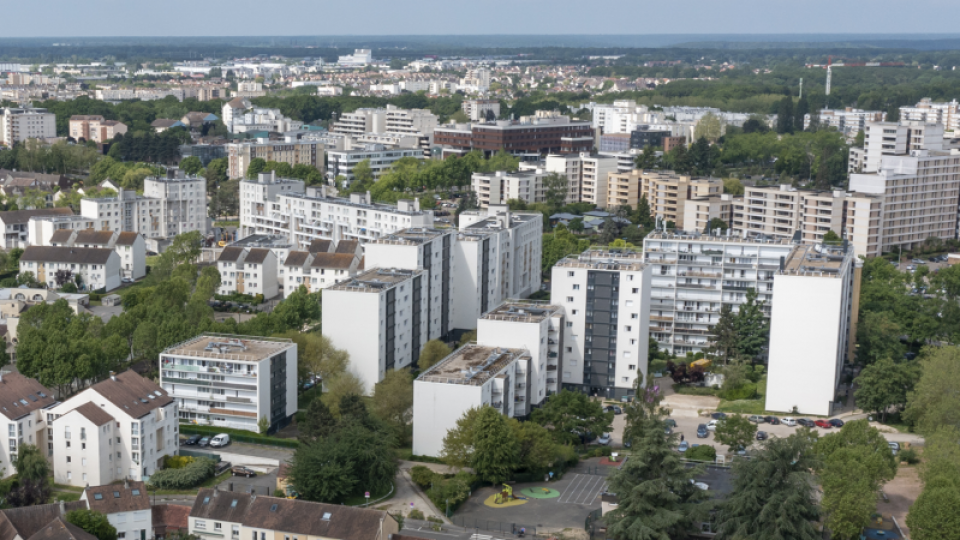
[(555, 134)]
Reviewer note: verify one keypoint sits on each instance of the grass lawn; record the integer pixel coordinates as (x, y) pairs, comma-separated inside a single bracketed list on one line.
[(694, 390), (360, 500), (152, 260), (129, 288), (894, 421), (208, 484), (64, 487), (65, 496)]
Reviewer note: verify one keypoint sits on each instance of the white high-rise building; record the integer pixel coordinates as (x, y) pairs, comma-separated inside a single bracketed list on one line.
[(586, 174), (232, 381), (606, 297), (928, 111), (359, 58), (501, 186), (848, 121), (18, 125)]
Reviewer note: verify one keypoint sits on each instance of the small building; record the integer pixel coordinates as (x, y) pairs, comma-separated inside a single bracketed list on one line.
[(97, 268), (250, 271), (111, 300), (169, 519), (14, 225), (317, 271), (42, 522), (162, 124), (129, 246), (127, 507), (24, 407)]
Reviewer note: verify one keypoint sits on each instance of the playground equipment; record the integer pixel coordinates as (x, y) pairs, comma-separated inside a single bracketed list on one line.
[(506, 495)]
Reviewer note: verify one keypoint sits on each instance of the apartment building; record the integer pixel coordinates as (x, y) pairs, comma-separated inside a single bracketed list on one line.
[(380, 158), (392, 306), (317, 271), (20, 124), (928, 111), (479, 110), (252, 271), (848, 121), (419, 123), (501, 186), (476, 81), (694, 274), (497, 257), (606, 300), (41, 228), (24, 412), (586, 175), (15, 225), (668, 193), (240, 116), (232, 381), (242, 516), (129, 247), (127, 507), (699, 212), (814, 291), (95, 128), (170, 205), (433, 250), (614, 142), (119, 428), (473, 376), (291, 151), (624, 189), (279, 206), (94, 268), (543, 133), (896, 139)]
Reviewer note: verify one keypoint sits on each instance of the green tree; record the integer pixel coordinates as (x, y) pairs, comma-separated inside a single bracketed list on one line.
[(495, 450), (785, 115), (773, 493), (878, 336), (339, 386), (935, 401), (736, 432), (831, 237), (263, 425), (216, 173), (733, 186), (362, 177), (753, 328), (434, 351), (191, 165), (458, 442), (648, 159), (256, 166), (885, 384), (567, 412), (31, 464), (318, 423), (710, 127), (714, 224), (393, 399), (93, 522), (725, 340), (555, 188), (537, 452), (933, 516)]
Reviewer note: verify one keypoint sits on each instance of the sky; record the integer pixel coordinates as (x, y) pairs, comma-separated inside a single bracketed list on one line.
[(62, 18)]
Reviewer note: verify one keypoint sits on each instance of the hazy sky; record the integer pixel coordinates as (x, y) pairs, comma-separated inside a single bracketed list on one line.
[(386, 17)]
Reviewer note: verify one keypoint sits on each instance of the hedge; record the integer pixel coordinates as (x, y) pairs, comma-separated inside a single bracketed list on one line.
[(239, 435), (704, 452), (747, 391), (445, 488), (190, 476)]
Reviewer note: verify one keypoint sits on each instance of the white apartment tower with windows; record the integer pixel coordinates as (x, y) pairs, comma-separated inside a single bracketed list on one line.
[(232, 381)]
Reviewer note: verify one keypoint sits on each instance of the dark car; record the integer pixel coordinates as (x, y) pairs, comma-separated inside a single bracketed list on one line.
[(761, 435), (204, 441), (836, 422), (702, 432), (627, 444), (671, 422), (243, 471), (772, 420), (192, 440), (617, 410), (805, 422), (718, 416)]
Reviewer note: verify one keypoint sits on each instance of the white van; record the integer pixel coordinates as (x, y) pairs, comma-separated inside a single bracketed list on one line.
[(220, 440)]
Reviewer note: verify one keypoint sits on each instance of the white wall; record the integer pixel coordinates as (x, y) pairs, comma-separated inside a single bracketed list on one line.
[(436, 409), (355, 323)]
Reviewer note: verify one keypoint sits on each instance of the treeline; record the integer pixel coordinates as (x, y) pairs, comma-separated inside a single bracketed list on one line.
[(148, 146), (59, 158), (311, 108), (137, 115)]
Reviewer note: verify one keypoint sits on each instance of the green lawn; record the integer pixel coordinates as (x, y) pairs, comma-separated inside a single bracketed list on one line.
[(208, 484), (894, 421), (359, 500)]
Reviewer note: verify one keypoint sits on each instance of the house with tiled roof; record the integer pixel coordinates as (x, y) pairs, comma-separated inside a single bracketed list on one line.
[(24, 404), (27, 522), (130, 247), (317, 271), (126, 505), (14, 225), (168, 519), (248, 270), (97, 268), (118, 429)]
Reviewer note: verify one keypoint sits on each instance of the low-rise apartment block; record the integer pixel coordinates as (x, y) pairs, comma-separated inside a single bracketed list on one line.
[(24, 412), (15, 225), (478, 110), (232, 381), (501, 186), (544, 133), (18, 125), (586, 175), (291, 151), (668, 193), (129, 246), (252, 271), (91, 268), (95, 128), (127, 507), (120, 428), (317, 271), (848, 121), (699, 212), (928, 111), (624, 189), (379, 157), (605, 295)]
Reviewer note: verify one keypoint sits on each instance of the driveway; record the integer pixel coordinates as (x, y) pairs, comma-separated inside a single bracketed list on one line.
[(901, 492), (106, 312)]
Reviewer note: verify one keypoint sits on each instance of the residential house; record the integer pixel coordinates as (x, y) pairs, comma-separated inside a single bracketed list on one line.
[(24, 407), (126, 505), (97, 268), (14, 225)]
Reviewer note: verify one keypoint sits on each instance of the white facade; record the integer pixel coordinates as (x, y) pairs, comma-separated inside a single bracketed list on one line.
[(586, 175), (15, 225), (848, 121), (501, 186), (252, 271), (480, 109), (135, 521), (380, 318), (139, 423), (129, 246), (24, 418), (316, 271), (927, 111), (380, 158), (232, 381), (98, 268), (18, 125), (606, 298), (814, 295), (359, 58)]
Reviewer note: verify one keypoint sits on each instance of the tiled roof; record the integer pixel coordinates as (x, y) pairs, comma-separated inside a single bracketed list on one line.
[(134, 394), (93, 236), (114, 498), (78, 255), (320, 246), (173, 516), (20, 395), (341, 261), (257, 256), (95, 414), (61, 236), (61, 529), (127, 238), (28, 520), (23, 216), (230, 254), (296, 258), (348, 246)]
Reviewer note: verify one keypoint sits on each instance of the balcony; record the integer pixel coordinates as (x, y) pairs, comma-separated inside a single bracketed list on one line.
[(551, 367)]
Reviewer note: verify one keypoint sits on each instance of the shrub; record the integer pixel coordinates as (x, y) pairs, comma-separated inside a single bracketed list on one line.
[(454, 490), (415, 514), (434, 519), (423, 476), (279, 493), (746, 391), (704, 452), (909, 455), (567, 456), (188, 477), (177, 462)]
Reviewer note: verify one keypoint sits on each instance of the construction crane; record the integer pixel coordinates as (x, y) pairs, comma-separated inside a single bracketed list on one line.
[(830, 65)]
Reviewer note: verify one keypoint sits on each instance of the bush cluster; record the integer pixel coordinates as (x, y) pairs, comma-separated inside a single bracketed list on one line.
[(745, 391), (177, 462), (190, 476), (444, 488), (704, 452)]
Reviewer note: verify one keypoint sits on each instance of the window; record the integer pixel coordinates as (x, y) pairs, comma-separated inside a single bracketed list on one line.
[(98, 496), (569, 324), (632, 367), (574, 312), (629, 328), (570, 349), (576, 286), (569, 299), (634, 316), (635, 290), (83, 461), (199, 524), (68, 459), (570, 274), (217, 526), (116, 494)]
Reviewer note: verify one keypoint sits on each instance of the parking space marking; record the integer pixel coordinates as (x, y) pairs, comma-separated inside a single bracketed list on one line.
[(584, 489)]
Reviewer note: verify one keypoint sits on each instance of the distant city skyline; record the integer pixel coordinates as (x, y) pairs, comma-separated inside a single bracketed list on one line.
[(444, 17)]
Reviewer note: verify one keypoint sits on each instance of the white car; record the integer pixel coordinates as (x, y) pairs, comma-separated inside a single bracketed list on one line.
[(700, 485), (788, 422), (712, 425), (220, 440), (604, 439)]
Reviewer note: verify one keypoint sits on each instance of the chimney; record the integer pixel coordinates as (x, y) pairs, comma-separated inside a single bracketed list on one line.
[(113, 375)]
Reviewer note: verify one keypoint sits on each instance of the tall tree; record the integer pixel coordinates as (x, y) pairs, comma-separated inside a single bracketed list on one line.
[(318, 423), (885, 384), (735, 432), (933, 515), (495, 450), (753, 328), (555, 188), (393, 399), (725, 339), (785, 115), (935, 401), (648, 159), (434, 351), (569, 412)]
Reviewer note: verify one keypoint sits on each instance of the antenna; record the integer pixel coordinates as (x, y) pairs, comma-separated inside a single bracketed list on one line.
[(829, 74)]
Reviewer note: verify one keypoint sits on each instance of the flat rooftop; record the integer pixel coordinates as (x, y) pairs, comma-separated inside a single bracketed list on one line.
[(411, 237), (693, 236), (375, 280), (472, 365), (496, 222), (521, 311), (229, 347), (605, 259), (264, 241), (818, 260), (380, 207)]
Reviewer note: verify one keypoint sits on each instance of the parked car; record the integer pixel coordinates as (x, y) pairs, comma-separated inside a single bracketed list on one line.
[(894, 447), (836, 422), (220, 440), (243, 471), (805, 422), (700, 485), (671, 422), (741, 451), (789, 422), (823, 424), (604, 438), (911, 267), (757, 419), (617, 410), (761, 435), (712, 425), (204, 441), (222, 466), (702, 432), (668, 430), (718, 416), (126, 280), (772, 420), (683, 446), (919, 261), (627, 444), (192, 440)]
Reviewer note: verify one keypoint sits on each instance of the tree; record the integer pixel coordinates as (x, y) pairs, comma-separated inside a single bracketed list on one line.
[(643, 215), (736, 432), (714, 224), (393, 399), (710, 128), (458, 442), (536, 450), (353, 409), (216, 173), (885, 384), (317, 358), (799, 112), (434, 351), (31, 464), (773, 493), (318, 423), (495, 450), (568, 412), (725, 339), (657, 499), (555, 188), (648, 159), (830, 237), (255, 167), (933, 516), (93, 522), (191, 165), (362, 177), (343, 384), (785, 115), (935, 401), (878, 336), (263, 425), (753, 328)]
